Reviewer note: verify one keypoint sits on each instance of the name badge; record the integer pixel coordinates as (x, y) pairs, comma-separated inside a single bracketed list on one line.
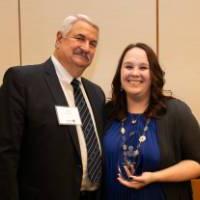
[(68, 115)]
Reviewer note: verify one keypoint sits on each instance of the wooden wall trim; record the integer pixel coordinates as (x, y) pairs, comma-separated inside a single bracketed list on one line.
[(157, 27), (20, 32)]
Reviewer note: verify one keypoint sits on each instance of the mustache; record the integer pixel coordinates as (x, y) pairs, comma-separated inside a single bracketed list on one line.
[(83, 53)]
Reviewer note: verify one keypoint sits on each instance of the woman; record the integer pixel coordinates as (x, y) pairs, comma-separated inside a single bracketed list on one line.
[(151, 143)]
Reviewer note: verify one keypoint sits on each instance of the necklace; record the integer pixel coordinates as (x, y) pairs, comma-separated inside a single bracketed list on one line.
[(131, 152)]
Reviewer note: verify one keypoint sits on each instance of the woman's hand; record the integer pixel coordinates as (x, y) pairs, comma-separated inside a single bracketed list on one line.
[(137, 182), (182, 171)]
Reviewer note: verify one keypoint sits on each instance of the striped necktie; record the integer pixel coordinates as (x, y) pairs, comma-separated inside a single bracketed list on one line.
[(94, 163)]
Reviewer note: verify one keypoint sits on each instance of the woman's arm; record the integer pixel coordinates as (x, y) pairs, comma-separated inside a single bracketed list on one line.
[(182, 171)]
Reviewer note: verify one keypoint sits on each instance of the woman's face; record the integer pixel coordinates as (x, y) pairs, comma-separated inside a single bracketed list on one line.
[(135, 74)]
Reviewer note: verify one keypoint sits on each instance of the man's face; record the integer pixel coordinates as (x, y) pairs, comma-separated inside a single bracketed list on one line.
[(76, 49)]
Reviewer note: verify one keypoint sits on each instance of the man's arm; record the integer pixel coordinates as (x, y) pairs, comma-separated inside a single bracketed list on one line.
[(11, 129)]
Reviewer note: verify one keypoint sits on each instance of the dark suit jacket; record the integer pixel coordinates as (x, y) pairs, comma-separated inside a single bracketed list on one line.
[(39, 159)]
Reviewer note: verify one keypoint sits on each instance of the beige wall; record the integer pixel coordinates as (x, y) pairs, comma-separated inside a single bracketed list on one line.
[(9, 35), (39, 26), (180, 49), (121, 23)]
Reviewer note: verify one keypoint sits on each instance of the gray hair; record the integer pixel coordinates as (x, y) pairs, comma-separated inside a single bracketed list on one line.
[(72, 19)]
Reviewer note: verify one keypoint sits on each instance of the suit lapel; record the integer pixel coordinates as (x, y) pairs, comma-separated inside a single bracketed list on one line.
[(59, 97), (54, 84)]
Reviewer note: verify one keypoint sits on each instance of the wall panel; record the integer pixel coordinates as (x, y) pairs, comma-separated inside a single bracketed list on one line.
[(179, 49), (9, 32), (120, 22)]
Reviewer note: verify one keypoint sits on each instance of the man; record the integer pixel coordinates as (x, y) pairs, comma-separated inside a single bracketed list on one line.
[(44, 153)]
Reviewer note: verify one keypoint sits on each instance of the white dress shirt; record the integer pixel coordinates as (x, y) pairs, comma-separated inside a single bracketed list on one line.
[(65, 80)]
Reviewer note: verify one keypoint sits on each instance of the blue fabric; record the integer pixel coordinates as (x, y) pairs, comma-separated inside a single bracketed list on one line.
[(147, 161)]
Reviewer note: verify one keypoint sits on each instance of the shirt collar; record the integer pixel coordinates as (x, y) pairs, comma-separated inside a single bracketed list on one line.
[(62, 73)]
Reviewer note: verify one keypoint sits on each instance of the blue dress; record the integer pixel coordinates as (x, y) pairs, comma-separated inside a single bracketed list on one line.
[(148, 159)]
